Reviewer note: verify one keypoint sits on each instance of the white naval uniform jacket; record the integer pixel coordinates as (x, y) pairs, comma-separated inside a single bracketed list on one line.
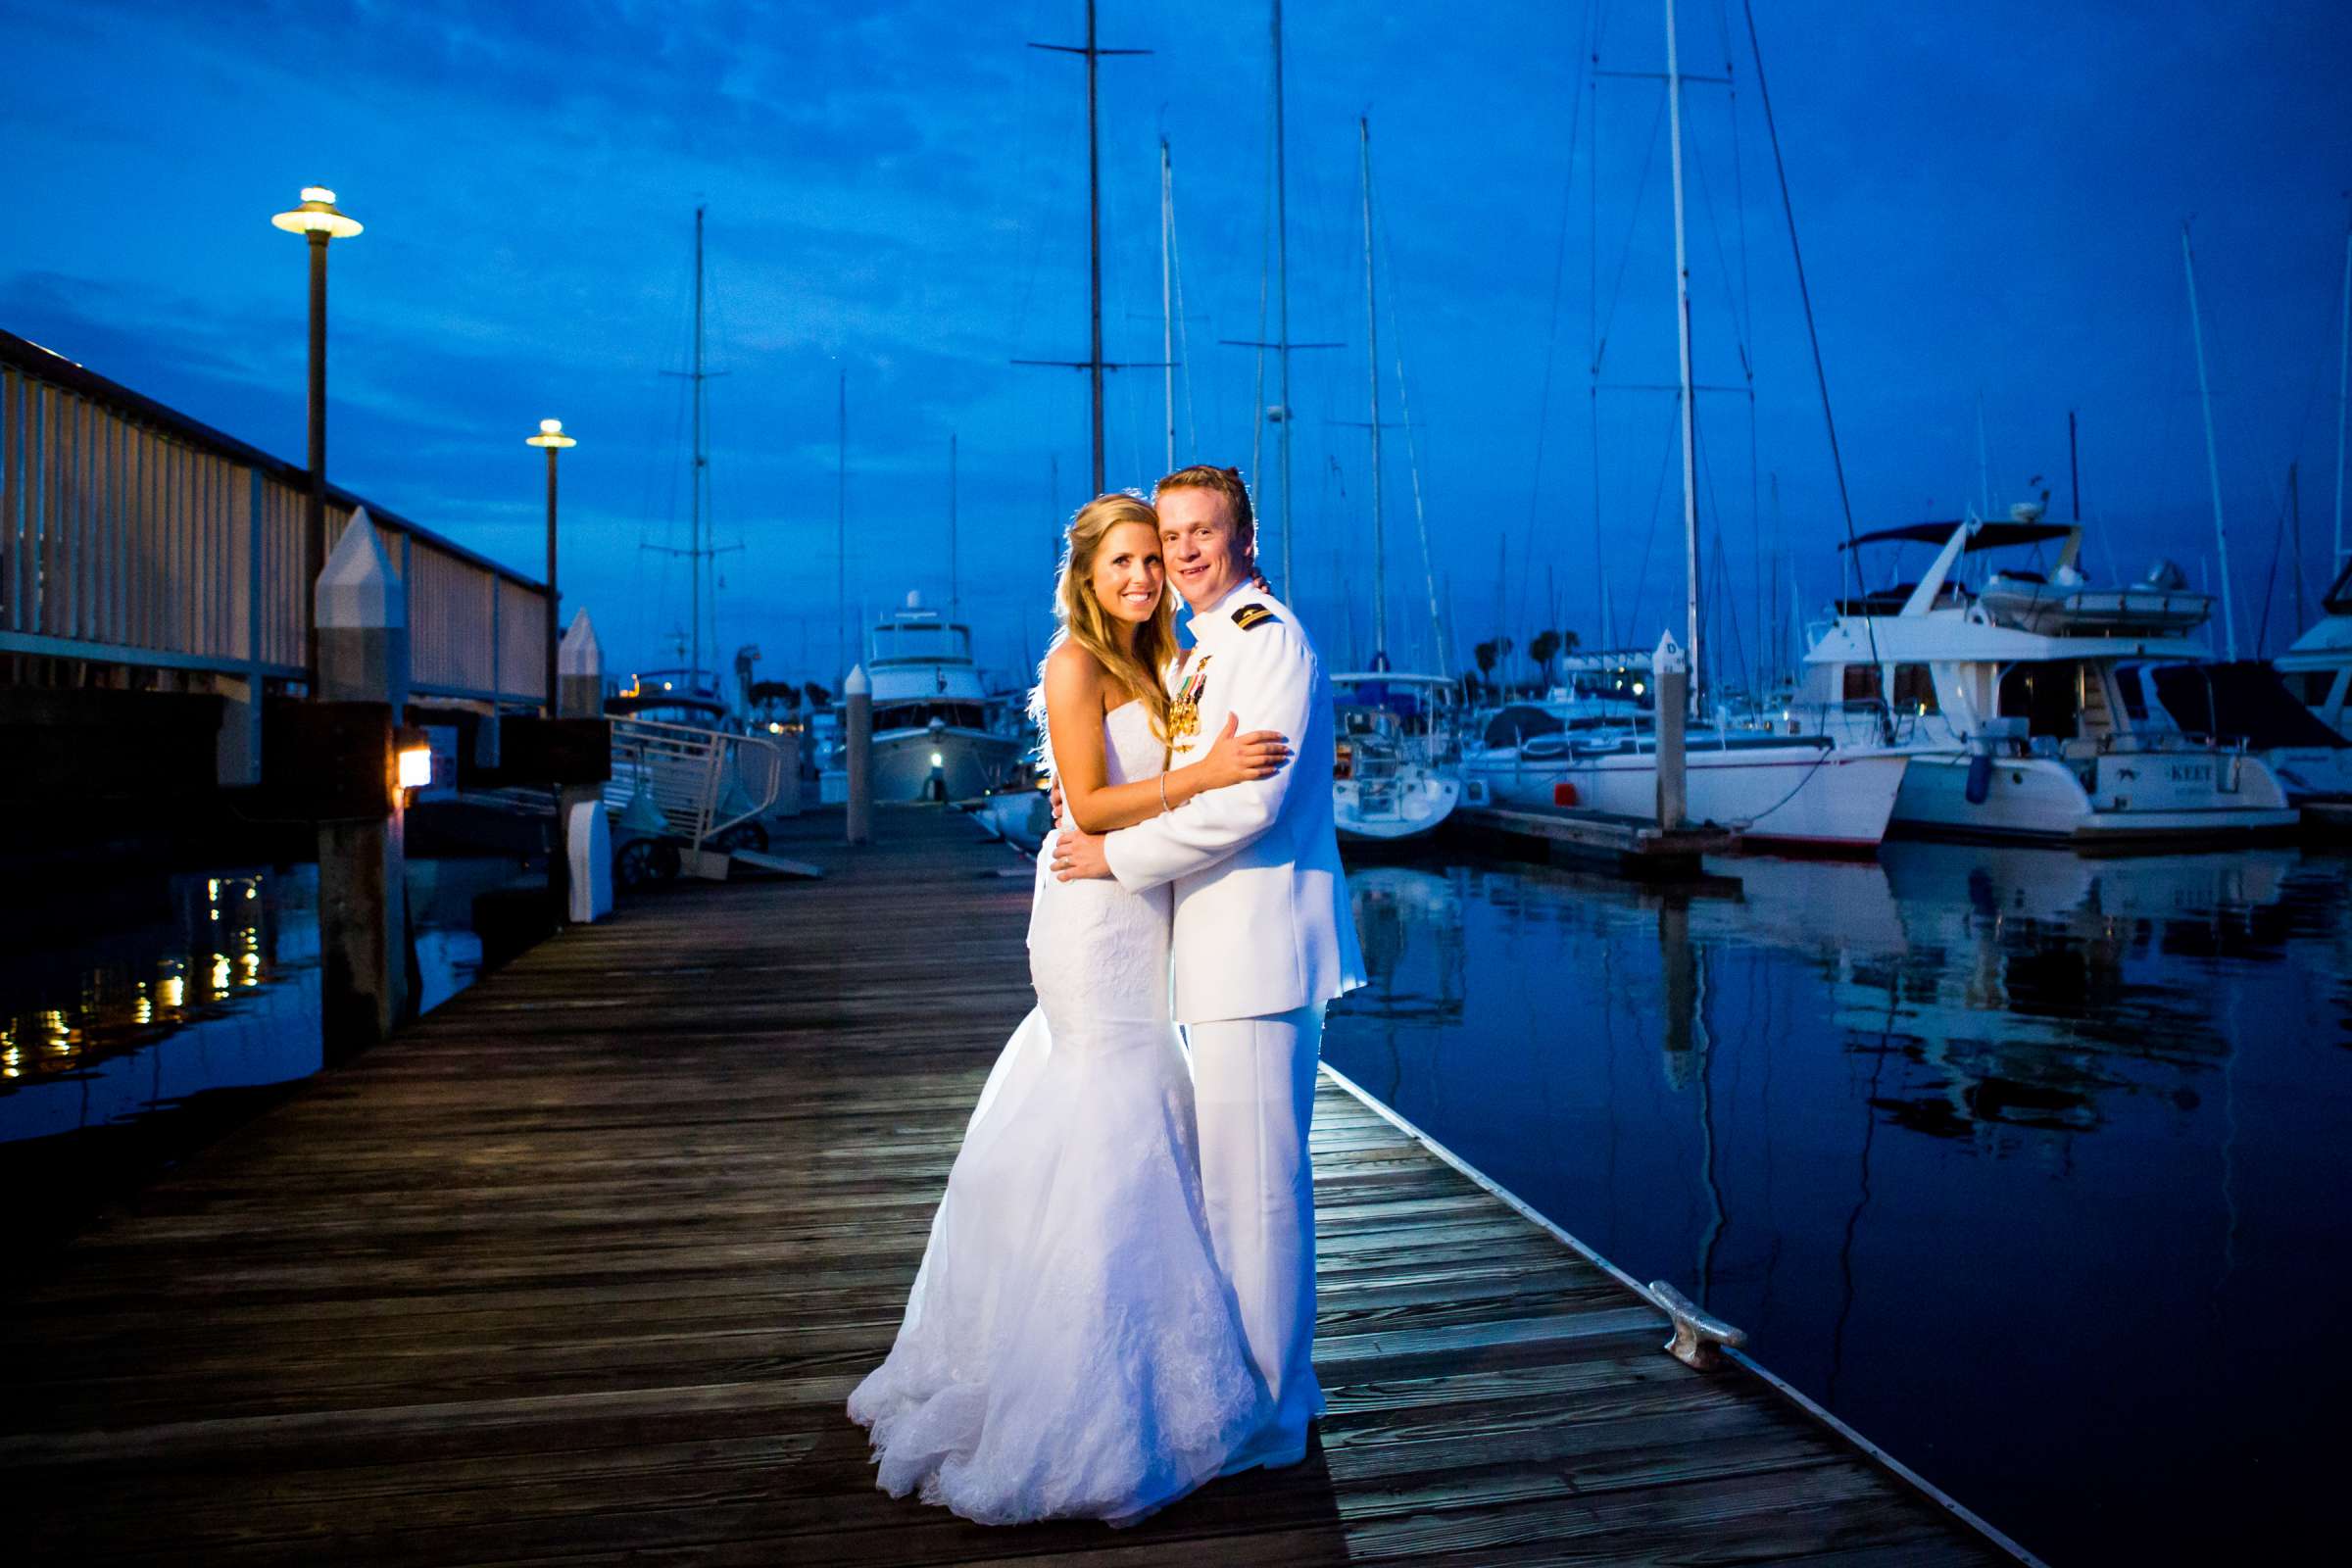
[(1262, 922)]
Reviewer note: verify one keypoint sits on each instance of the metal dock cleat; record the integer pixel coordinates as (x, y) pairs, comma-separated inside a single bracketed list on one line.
[(1696, 1332)]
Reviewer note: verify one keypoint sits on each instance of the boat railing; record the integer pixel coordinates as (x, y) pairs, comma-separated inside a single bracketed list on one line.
[(704, 782)]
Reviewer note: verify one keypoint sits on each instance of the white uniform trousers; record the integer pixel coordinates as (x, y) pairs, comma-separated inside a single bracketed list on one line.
[(1254, 1080)]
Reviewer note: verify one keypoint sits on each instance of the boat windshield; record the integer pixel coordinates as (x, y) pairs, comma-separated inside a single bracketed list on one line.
[(921, 642)]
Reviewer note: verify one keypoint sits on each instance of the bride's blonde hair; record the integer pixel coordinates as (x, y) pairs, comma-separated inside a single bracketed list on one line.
[(1137, 670)]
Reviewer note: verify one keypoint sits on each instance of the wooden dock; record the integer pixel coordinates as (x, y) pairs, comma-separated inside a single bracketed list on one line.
[(582, 1267), (1636, 846)]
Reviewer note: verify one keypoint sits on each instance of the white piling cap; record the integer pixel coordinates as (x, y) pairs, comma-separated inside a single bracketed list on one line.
[(1668, 659), (858, 685), (579, 653), (358, 589)]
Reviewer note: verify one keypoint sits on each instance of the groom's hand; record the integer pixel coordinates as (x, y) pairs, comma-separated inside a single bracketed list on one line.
[(1077, 855)]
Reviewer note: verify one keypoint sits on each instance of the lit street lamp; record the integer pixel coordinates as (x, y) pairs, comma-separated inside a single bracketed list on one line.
[(317, 218), (551, 436)]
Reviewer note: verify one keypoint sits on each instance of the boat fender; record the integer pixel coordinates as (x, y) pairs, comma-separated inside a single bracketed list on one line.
[(1563, 793), (1980, 777)]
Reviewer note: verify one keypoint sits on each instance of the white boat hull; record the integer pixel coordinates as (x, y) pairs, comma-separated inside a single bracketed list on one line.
[(2311, 772), (1800, 795), (1403, 809), (2143, 794), (969, 762)]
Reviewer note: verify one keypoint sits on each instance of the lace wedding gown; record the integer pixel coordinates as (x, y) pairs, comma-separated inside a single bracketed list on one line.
[(1069, 1348)]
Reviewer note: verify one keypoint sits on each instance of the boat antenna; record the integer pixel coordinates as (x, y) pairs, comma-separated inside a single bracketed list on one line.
[(955, 600)]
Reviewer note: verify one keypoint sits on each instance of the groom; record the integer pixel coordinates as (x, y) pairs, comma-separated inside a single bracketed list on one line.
[(1263, 936)]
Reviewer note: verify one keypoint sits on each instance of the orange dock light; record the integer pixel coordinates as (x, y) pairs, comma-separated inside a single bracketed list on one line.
[(416, 752)]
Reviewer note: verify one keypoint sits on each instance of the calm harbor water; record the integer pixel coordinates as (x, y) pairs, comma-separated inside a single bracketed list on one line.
[(126, 1041), (2030, 1166)]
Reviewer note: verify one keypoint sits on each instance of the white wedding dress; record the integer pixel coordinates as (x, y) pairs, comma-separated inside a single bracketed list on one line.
[(1070, 1348)]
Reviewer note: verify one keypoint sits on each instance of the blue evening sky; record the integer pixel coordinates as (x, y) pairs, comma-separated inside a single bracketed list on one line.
[(1989, 196)]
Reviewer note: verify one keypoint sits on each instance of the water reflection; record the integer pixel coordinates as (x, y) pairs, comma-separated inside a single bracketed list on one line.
[(1932, 1129), (198, 982)]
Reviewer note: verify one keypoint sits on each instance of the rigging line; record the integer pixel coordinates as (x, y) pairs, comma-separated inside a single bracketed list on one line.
[(1560, 270), (1412, 449), (1747, 317), (1184, 340), (1601, 561), (1266, 255), (1625, 248), (1804, 292), (1723, 265), (1674, 428), (1720, 593), (1747, 306), (2269, 580)]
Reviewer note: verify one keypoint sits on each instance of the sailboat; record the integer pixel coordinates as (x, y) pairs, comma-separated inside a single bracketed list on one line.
[(1398, 771), (1817, 790)]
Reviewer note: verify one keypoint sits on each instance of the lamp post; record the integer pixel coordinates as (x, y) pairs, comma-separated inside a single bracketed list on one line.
[(317, 218), (551, 436)]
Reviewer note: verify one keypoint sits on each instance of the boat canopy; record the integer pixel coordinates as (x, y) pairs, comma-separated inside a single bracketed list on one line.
[(1988, 535), (1519, 722), (2249, 700), (2339, 593)]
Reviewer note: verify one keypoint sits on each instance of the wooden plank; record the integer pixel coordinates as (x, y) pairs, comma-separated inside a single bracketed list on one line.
[(582, 1270)]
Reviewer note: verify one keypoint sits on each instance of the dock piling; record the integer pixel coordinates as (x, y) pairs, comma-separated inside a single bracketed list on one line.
[(583, 846), (362, 616), (1672, 670), (857, 692)]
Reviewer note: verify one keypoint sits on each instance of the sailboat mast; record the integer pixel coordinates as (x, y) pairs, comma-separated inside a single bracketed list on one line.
[(1094, 243), (954, 599), (1167, 320), (1681, 321), (2213, 460), (1282, 293), (694, 533), (1380, 559)]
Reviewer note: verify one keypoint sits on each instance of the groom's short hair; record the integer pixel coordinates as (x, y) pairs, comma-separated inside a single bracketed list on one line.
[(1226, 482)]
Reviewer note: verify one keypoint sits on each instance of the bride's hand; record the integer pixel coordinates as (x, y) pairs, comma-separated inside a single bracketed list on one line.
[(1236, 758)]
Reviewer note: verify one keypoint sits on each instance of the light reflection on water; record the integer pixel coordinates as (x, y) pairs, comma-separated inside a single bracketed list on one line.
[(209, 981), (2011, 1158)]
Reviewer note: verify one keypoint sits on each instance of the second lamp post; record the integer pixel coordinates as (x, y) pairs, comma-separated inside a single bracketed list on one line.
[(551, 436), (318, 219)]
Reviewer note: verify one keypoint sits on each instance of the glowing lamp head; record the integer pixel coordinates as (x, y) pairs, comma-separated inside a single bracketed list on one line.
[(317, 215), (416, 766), (550, 435), (936, 760)]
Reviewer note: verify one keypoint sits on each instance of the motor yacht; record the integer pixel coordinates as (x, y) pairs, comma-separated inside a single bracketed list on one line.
[(2024, 713)]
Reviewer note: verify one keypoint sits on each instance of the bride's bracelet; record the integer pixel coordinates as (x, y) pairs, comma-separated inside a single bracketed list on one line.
[(1163, 792)]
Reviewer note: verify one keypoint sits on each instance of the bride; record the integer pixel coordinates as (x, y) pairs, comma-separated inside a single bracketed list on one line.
[(1070, 1348)]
